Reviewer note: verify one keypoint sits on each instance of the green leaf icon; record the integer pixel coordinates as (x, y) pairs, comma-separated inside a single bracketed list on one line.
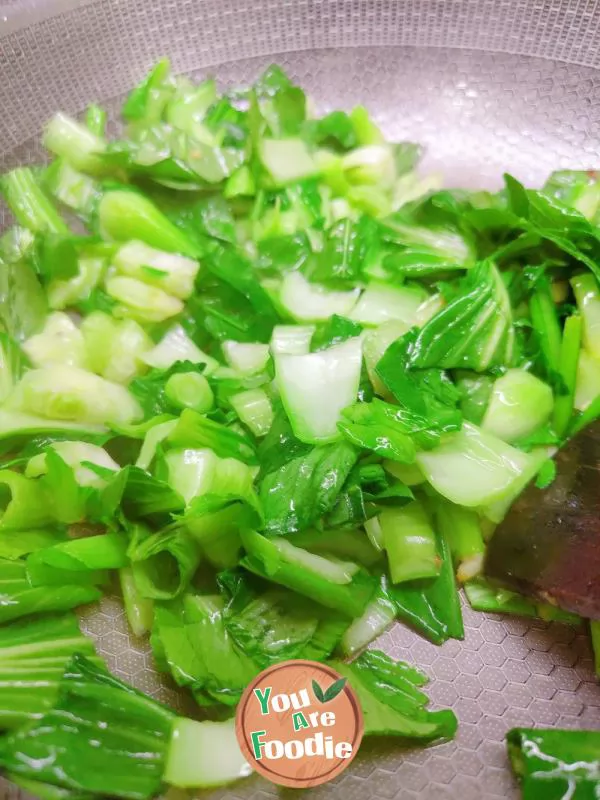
[(335, 688), (318, 692), (331, 693)]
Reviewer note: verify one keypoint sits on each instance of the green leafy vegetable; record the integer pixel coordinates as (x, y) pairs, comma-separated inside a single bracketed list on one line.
[(124, 215), (335, 331), (474, 468), (379, 614), (274, 624), (519, 405), (151, 390), (18, 598), (35, 654), (280, 385), (391, 702), (139, 610), (427, 393), (432, 607), (195, 430), (79, 561), (29, 204), (298, 493), (316, 387), (346, 247), (474, 331), (23, 304), (461, 529), (410, 543), (194, 641), (163, 563), (125, 757), (483, 596), (15, 544), (344, 586), (555, 763)]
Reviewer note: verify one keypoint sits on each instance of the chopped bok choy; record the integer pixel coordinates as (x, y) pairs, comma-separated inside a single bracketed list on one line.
[(279, 391)]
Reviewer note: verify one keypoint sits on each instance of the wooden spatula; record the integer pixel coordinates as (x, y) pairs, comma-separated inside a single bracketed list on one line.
[(548, 545)]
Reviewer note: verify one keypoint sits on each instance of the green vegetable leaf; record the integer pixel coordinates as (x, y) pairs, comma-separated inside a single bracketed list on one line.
[(279, 254), (274, 624), (391, 703), (367, 489), (23, 303), (195, 431), (343, 257), (126, 756), (84, 561), (335, 331), (281, 104), (552, 220), (577, 189), (211, 216), (29, 204), (17, 244), (487, 597), (279, 445), (57, 257), (34, 654), (555, 763), (546, 474), (67, 498), (425, 249), (163, 562), (232, 269), (147, 100), (346, 543), (140, 494), (26, 501), (216, 520), (192, 638), (333, 130), (149, 389), (432, 606), (15, 544), (224, 313), (18, 598), (343, 586), (385, 429), (476, 391), (410, 543), (474, 331), (295, 495), (425, 393)]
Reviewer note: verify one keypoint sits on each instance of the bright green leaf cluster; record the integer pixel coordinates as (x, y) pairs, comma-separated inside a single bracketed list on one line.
[(281, 387)]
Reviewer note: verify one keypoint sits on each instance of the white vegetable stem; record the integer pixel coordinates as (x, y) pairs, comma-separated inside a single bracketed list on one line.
[(316, 387), (474, 468), (204, 754), (587, 294), (311, 302), (246, 357), (381, 302), (293, 340), (176, 345), (170, 272), (520, 404)]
